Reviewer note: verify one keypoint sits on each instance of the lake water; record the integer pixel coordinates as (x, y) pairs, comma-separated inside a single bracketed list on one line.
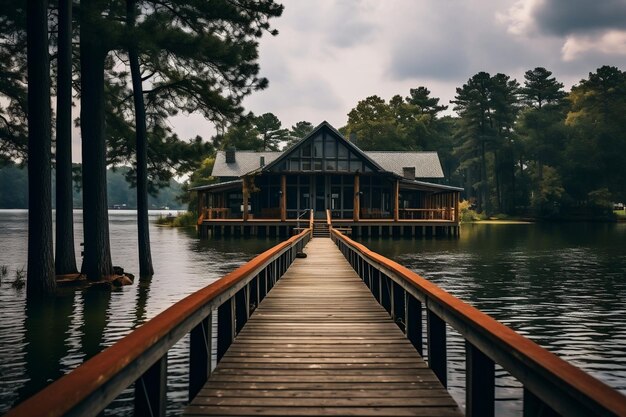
[(564, 286)]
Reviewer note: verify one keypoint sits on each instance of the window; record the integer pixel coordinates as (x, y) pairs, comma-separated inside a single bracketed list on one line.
[(306, 165), (317, 165), (331, 165), (306, 149), (330, 150), (294, 165), (317, 147), (355, 165), (342, 151), (342, 165)]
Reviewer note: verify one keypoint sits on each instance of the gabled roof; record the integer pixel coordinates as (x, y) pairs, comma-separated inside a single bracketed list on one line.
[(426, 164), (338, 136)]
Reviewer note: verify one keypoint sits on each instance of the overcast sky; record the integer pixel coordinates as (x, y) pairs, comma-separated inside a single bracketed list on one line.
[(330, 54)]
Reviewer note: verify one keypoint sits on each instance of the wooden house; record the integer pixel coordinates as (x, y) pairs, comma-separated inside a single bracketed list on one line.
[(324, 178)]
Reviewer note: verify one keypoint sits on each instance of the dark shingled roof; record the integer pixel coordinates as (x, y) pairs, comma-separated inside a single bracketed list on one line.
[(245, 161), (426, 164)]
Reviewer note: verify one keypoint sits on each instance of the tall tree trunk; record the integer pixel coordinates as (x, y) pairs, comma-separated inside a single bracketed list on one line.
[(97, 259), (40, 278), (483, 205), (65, 259), (145, 258)]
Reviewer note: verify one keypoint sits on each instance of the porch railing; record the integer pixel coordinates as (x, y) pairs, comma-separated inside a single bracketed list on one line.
[(141, 356), (552, 386)]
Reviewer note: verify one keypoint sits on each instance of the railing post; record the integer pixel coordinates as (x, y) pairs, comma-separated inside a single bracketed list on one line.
[(151, 389), (399, 313), (413, 317), (376, 284), (480, 383), (385, 296), (200, 355), (533, 406), (241, 308), (262, 284), (225, 327), (437, 356), (254, 293)]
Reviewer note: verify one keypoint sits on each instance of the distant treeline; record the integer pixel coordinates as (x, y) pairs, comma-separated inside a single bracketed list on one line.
[(14, 190), (524, 147)]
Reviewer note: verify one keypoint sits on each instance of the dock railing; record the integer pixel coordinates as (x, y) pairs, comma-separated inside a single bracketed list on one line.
[(552, 386), (141, 356)]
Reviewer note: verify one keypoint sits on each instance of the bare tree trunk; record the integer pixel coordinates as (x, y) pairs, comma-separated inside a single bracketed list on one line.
[(40, 278), (97, 259), (65, 259), (145, 258)]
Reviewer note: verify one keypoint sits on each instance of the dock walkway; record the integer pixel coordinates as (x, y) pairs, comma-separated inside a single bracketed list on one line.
[(320, 344)]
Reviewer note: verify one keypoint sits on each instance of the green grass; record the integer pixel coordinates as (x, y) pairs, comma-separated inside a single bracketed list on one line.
[(620, 214), (187, 219)]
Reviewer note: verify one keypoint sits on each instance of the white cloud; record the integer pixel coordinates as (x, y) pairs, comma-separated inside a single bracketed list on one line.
[(519, 19), (609, 43)]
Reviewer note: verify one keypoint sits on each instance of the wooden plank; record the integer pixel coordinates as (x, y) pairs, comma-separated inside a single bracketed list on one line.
[(320, 344)]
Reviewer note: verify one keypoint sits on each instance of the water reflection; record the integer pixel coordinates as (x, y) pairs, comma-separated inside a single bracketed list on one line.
[(46, 319), (41, 342), (564, 286)]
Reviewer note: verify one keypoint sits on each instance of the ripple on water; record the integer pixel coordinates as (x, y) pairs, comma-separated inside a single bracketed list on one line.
[(40, 344)]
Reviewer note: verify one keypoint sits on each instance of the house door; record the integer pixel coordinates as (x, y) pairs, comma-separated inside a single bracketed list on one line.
[(321, 202)]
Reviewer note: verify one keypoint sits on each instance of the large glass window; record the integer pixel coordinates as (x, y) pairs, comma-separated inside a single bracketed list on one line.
[(330, 150), (318, 144), (342, 151), (306, 149)]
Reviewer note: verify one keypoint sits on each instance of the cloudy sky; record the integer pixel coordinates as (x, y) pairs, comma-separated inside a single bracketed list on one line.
[(330, 54)]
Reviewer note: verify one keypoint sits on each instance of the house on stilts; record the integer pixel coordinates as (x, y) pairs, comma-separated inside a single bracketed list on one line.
[(325, 179)]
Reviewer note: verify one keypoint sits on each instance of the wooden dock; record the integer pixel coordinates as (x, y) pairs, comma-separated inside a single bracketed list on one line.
[(320, 344)]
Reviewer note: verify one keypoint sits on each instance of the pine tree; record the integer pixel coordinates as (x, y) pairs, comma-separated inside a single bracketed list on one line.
[(65, 258), (271, 131), (40, 275)]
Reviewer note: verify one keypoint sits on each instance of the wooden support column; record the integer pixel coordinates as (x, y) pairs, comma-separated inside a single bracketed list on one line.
[(283, 198), (246, 194), (457, 197), (357, 200), (396, 201)]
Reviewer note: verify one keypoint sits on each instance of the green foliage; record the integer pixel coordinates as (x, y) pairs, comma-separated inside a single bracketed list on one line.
[(487, 109), (13, 128), (597, 117), (547, 198), (243, 136), (187, 219), (467, 214), (299, 131), (270, 131)]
